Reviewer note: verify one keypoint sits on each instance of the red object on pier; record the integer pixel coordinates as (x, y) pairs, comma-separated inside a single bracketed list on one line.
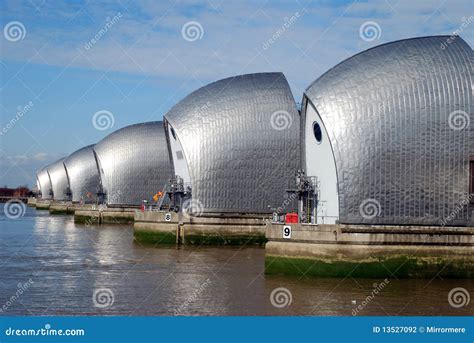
[(291, 218), (142, 207)]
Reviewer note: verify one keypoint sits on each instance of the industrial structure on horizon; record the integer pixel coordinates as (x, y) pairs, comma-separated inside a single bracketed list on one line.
[(382, 138)]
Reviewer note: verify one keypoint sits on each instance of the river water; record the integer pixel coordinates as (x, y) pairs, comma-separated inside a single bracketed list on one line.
[(50, 266)]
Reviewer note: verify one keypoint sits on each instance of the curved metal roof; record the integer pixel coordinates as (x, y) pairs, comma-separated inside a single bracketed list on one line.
[(398, 118), (134, 163), (240, 140), (59, 180), (83, 173), (45, 184)]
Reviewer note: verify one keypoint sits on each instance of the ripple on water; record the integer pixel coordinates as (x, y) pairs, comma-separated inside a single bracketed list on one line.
[(68, 262)]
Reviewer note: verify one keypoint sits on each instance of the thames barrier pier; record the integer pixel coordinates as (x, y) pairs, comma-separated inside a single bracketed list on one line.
[(41, 204), (370, 176), (173, 228), (369, 251), (104, 215), (31, 202)]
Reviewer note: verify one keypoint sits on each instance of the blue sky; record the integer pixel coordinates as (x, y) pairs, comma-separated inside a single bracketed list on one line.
[(141, 64)]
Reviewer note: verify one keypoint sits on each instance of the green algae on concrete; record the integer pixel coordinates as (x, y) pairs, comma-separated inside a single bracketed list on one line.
[(93, 217), (224, 239), (116, 219), (61, 210), (400, 267), (57, 211), (86, 219), (154, 237), (202, 230)]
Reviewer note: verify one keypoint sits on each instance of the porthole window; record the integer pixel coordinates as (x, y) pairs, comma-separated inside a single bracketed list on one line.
[(318, 133), (173, 133)]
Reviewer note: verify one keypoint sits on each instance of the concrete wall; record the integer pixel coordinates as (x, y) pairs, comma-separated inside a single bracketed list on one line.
[(31, 202), (97, 215), (370, 251), (373, 235), (42, 204), (152, 227)]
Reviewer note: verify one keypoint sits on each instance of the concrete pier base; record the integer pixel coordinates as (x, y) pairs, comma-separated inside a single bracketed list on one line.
[(31, 202), (166, 228), (42, 204), (88, 217), (68, 207), (98, 215), (156, 228), (61, 208), (370, 251)]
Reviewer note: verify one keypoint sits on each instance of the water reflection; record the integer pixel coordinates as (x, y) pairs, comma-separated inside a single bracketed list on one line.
[(68, 262)]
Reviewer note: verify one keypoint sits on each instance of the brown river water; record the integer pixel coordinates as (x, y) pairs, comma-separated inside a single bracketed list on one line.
[(50, 266)]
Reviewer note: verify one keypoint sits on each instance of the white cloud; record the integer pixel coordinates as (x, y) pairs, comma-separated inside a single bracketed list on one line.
[(26, 159), (41, 156), (147, 40)]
